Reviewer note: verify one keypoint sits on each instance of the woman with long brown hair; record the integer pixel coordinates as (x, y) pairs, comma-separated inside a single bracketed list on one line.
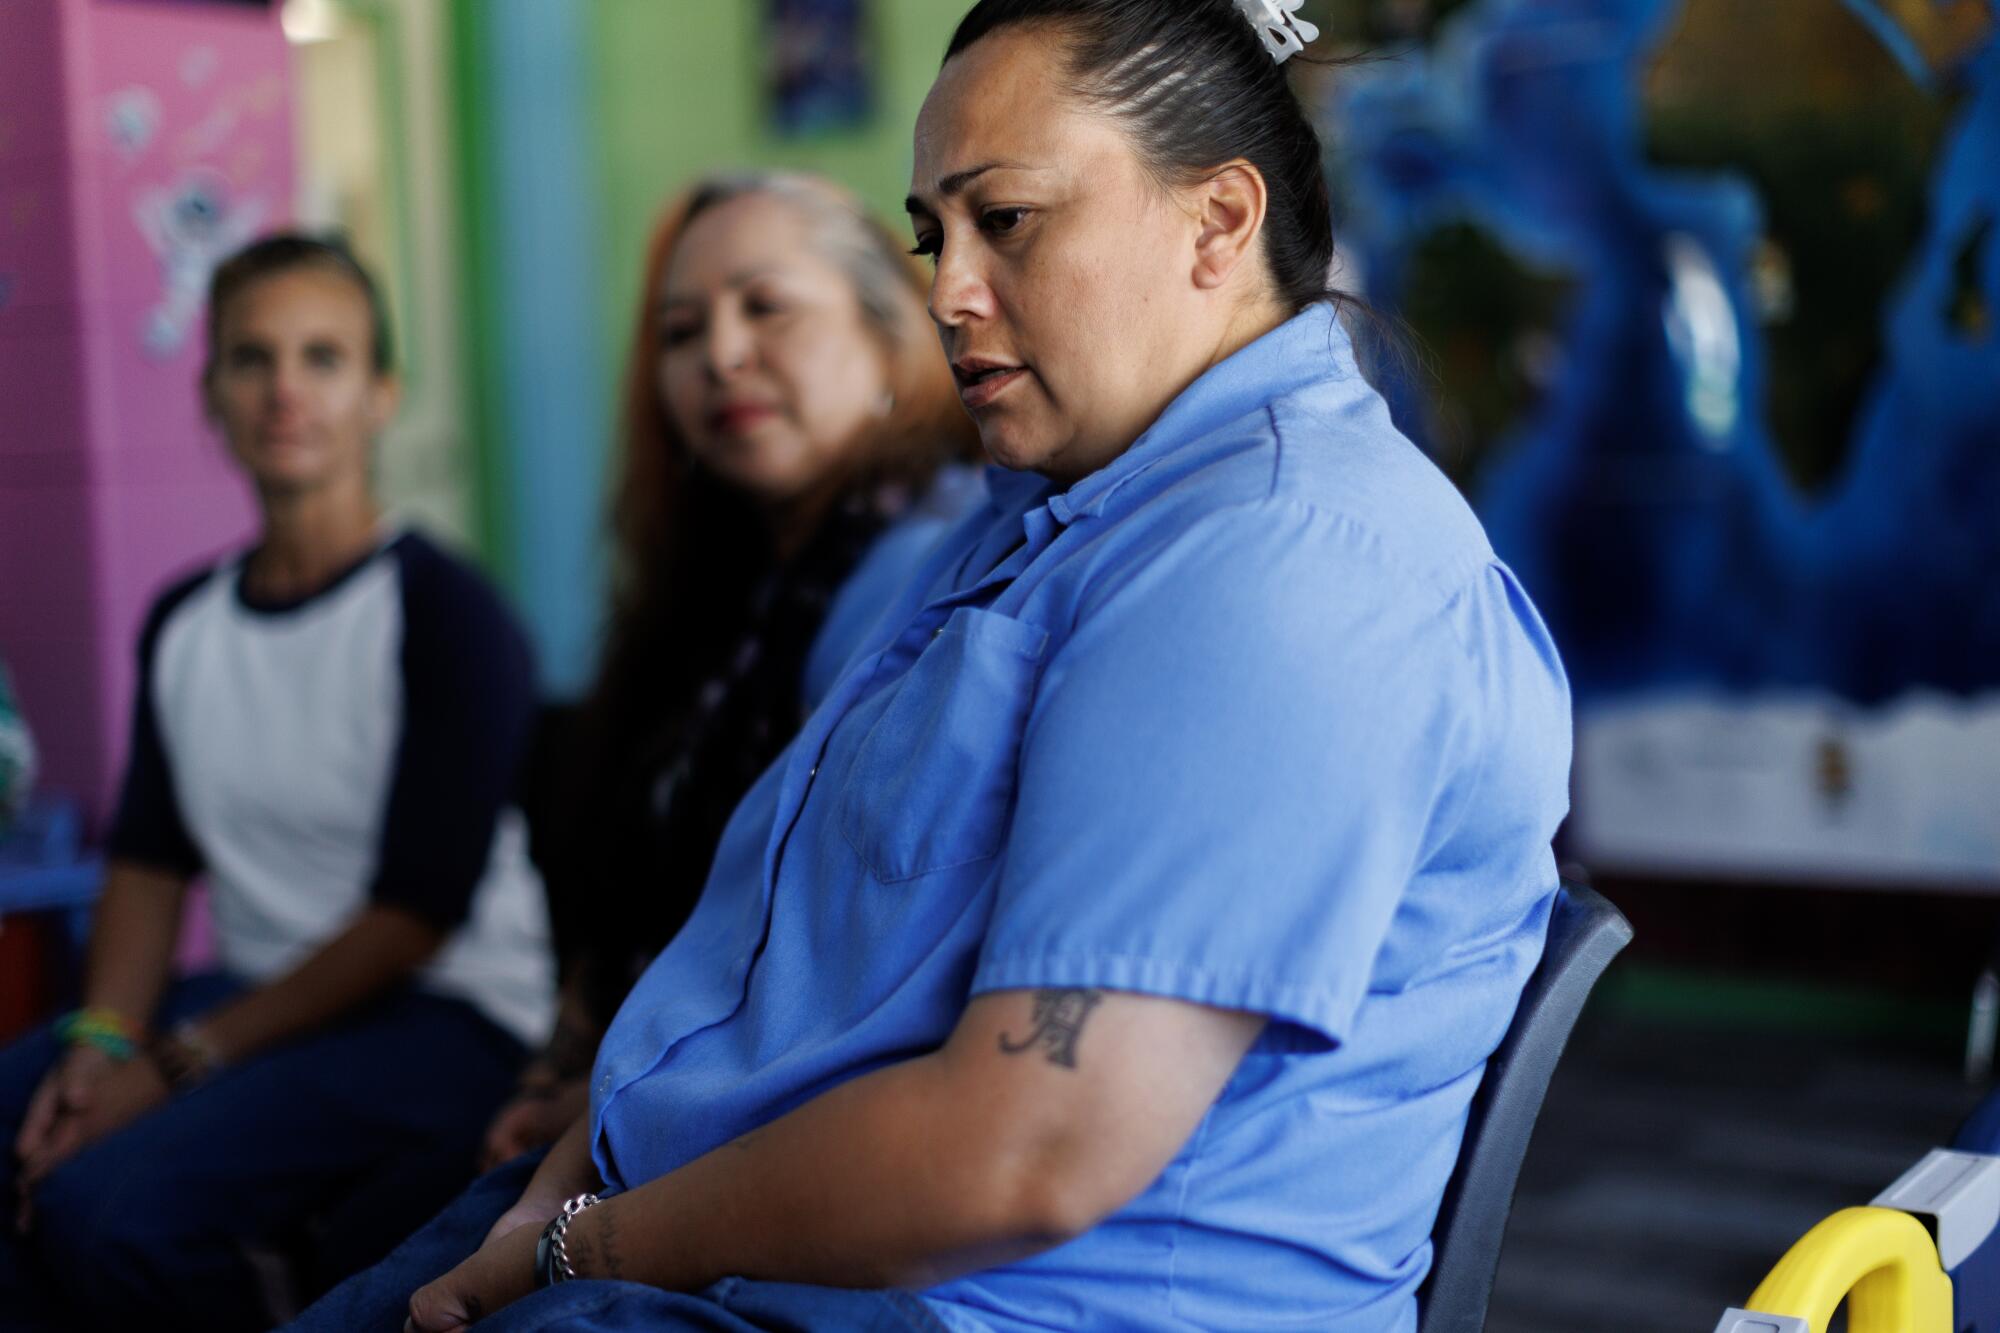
[(787, 410)]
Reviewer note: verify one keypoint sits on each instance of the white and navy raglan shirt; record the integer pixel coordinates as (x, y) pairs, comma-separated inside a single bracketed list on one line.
[(356, 747)]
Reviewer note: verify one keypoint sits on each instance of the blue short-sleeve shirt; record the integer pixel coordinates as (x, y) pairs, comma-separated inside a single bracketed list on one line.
[(1252, 717)]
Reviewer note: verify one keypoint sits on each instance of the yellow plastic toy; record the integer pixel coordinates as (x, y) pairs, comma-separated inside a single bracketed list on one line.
[(1882, 1262)]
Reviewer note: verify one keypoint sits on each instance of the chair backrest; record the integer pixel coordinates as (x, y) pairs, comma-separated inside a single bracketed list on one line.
[(1585, 934)]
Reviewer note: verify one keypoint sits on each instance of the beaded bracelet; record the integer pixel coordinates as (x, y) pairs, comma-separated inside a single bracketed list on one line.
[(100, 1029)]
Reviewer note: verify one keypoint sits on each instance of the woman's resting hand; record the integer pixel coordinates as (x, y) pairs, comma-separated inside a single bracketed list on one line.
[(565, 1173), (534, 1118), (502, 1272), (503, 1269), (86, 1097)]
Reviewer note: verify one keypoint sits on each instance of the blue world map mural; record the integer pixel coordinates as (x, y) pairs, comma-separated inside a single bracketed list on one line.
[(1641, 498)]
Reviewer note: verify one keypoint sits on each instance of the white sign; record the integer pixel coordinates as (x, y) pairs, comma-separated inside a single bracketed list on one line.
[(1796, 787)]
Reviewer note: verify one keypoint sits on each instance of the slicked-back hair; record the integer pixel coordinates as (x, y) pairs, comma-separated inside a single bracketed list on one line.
[(284, 252), (1195, 88)]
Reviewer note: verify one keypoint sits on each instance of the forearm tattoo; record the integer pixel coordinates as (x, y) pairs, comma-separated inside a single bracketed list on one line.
[(596, 1250), (1059, 1018), (608, 1257)]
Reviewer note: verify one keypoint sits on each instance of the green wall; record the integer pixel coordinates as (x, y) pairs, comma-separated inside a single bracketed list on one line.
[(680, 93)]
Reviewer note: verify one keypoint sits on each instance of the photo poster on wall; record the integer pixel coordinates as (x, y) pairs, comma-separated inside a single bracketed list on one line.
[(820, 71), (1773, 683)]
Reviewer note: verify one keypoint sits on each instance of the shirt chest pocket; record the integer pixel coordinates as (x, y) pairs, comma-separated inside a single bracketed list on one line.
[(933, 780)]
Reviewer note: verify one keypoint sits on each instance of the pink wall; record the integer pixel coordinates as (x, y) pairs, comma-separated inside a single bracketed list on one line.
[(46, 586), (139, 140)]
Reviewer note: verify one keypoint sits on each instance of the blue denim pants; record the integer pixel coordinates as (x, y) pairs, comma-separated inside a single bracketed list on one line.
[(377, 1300), (205, 1213)]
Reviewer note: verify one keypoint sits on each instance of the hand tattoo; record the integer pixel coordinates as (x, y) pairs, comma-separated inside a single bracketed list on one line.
[(1059, 1019)]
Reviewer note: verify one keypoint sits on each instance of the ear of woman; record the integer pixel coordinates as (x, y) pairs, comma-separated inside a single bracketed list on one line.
[(1230, 208)]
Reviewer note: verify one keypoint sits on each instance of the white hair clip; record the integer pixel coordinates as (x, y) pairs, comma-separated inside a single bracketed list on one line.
[(1277, 22)]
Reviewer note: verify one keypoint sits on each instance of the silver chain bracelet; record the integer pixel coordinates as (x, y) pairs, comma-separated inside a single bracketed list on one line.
[(551, 1254)]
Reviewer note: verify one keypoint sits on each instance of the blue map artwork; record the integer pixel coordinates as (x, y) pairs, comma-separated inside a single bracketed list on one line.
[(1642, 500)]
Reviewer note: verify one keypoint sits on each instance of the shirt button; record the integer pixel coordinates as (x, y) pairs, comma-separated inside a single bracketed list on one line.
[(938, 633), (815, 772)]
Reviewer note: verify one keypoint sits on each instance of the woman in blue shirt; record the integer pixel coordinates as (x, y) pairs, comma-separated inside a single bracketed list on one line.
[(1123, 938)]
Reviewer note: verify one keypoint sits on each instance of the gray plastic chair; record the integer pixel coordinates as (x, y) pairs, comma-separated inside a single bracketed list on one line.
[(1585, 934)]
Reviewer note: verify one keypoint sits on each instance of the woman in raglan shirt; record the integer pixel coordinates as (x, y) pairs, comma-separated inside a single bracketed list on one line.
[(329, 729)]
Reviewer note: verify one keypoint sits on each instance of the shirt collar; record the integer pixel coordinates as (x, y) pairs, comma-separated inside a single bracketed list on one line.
[(1309, 348), (1015, 492)]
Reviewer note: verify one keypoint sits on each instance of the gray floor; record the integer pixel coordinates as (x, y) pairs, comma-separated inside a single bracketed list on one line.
[(1672, 1168)]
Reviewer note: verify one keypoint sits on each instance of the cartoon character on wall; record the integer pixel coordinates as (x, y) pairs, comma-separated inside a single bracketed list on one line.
[(131, 120), (192, 152), (191, 226)]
